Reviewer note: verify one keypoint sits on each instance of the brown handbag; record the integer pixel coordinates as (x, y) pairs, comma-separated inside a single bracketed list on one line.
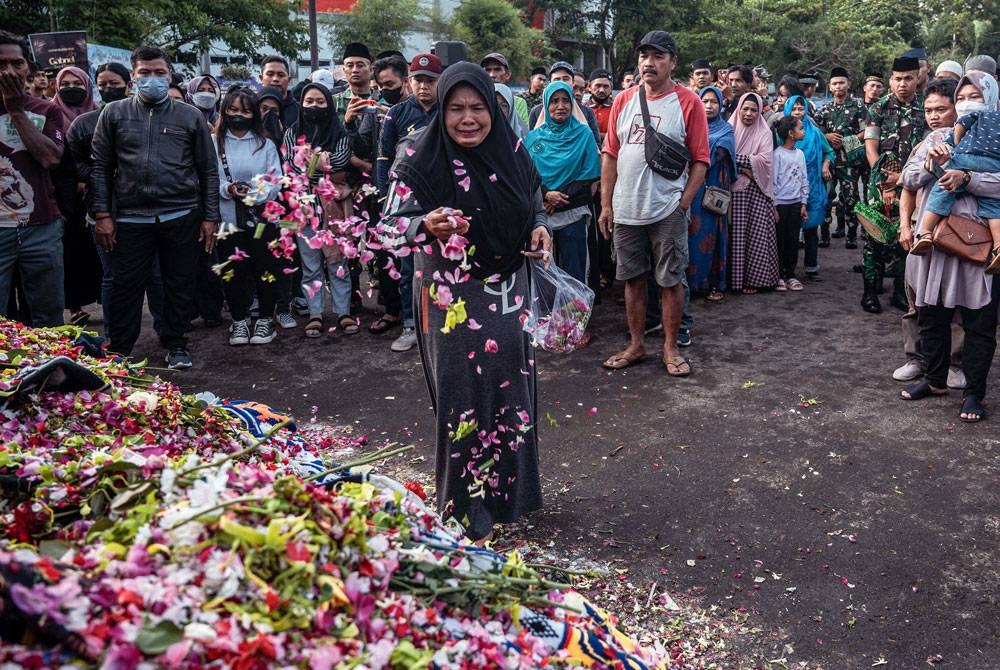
[(963, 238)]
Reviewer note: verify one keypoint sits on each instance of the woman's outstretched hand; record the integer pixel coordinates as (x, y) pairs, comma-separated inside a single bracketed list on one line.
[(444, 222)]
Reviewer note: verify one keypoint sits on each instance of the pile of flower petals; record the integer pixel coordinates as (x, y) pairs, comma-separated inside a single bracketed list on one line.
[(142, 528)]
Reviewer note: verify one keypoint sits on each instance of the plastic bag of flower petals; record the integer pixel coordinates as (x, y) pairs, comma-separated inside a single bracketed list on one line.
[(558, 310)]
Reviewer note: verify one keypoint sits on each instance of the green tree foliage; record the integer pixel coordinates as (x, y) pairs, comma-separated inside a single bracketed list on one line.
[(378, 24), (245, 26), (496, 25)]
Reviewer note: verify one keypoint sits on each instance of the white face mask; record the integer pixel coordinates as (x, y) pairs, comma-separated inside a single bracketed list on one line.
[(968, 106), (204, 100)]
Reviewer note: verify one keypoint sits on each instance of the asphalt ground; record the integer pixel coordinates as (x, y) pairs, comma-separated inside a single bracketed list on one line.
[(784, 478)]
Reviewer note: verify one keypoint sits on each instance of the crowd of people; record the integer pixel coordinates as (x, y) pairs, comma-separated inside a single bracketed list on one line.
[(695, 182)]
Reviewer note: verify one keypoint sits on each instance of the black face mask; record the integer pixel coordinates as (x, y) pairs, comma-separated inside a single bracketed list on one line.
[(314, 114), (113, 93), (72, 96), (392, 96), (237, 122)]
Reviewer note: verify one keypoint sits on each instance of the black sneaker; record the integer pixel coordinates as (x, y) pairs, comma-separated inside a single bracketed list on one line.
[(179, 359), (839, 233), (239, 332), (263, 332), (813, 276), (683, 337)]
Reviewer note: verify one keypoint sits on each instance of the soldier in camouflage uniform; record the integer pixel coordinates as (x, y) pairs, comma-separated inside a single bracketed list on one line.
[(896, 124), (846, 115)]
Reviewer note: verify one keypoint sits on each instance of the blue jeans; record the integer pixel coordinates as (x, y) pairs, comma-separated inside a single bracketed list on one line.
[(154, 290), (38, 252), (571, 248), (940, 201), (337, 273)]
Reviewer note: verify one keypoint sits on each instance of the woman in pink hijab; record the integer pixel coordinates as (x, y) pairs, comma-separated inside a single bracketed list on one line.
[(74, 93), (753, 252)]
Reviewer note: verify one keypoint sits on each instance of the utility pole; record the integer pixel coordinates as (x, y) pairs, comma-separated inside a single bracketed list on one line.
[(313, 38)]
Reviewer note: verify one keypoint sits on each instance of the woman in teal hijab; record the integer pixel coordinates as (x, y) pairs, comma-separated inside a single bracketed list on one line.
[(567, 158), (819, 154)]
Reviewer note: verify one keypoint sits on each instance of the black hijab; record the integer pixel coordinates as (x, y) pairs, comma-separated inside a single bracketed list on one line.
[(325, 134), (498, 196)]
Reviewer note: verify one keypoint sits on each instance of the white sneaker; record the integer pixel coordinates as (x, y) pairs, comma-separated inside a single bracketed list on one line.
[(908, 371), (956, 378), (406, 341), (239, 332), (286, 320), (263, 332)]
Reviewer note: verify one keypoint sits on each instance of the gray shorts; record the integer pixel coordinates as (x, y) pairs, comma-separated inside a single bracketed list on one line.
[(661, 246)]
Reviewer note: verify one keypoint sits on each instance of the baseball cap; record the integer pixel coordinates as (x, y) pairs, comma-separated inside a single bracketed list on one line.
[(498, 57), (428, 65), (324, 77), (660, 40), (561, 65)]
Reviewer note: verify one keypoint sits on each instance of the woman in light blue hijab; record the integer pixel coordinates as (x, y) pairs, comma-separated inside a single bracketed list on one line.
[(505, 99), (563, 150)]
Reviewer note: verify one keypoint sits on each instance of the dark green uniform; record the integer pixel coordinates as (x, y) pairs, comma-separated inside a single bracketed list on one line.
[(899, 127)]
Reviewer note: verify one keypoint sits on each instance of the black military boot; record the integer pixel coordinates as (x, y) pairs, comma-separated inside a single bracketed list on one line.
[(869, 300)]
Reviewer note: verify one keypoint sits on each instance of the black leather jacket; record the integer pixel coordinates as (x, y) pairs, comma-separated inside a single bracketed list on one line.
[(151, 160)]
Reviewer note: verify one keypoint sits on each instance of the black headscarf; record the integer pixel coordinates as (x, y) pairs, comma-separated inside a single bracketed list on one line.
[(273, 126), (326, 134), (502, 179)]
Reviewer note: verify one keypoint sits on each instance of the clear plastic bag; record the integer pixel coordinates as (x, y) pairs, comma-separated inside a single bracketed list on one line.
[(558, 310)]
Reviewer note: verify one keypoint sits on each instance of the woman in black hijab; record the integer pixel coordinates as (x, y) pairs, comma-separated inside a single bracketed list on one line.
[(321, 127), (468, 175)]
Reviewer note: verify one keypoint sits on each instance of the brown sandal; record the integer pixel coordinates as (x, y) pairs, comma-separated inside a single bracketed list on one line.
[(923, 244), (677, 366), (623, 359), (993, 262), (314, 328)]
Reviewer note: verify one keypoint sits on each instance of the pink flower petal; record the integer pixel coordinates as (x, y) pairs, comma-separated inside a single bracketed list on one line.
[(465, 183)]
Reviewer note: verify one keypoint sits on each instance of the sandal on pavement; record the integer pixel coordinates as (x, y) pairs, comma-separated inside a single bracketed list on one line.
[(384, 324), (624, 359), (677, 366), (923, 244), (314, 328), (921, 391), (348, 324), (794, 284), (973, 409), (715, 296)]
